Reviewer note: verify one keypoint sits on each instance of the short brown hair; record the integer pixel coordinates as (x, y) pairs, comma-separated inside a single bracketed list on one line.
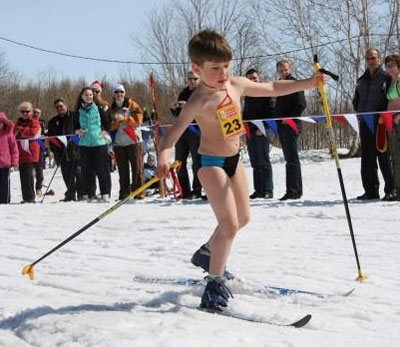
[(395, 58), (208, 45)]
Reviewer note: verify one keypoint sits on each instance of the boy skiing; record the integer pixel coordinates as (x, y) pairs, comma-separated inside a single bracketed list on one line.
[(215, 105)]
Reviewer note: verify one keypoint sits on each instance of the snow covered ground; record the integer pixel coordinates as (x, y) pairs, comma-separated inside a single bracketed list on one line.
[(85, 295)]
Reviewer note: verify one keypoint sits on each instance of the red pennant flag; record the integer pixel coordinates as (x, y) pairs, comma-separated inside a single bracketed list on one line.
[(131, 133), (381, 135), (340, 118), (56, 142), (292, 124), (247, 128), (387, 118)]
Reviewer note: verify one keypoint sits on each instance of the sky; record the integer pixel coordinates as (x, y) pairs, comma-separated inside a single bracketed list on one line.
[(101, 29), (87, 293)]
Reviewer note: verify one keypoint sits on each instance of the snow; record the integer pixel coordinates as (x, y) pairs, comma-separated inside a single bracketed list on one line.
[(84, 294)]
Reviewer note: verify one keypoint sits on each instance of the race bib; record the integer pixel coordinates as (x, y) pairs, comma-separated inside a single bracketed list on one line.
[(230, 119)]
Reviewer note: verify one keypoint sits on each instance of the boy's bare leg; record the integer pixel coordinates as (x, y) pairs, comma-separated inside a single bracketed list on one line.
[(229, 200)]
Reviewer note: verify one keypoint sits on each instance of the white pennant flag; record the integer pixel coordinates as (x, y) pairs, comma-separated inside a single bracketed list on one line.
[(63, 139), (25, 146), (260, 125), (307, 119), (353, 121)]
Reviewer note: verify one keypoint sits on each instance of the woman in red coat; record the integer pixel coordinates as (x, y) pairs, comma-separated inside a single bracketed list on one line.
[(8, 156), (27, 128)]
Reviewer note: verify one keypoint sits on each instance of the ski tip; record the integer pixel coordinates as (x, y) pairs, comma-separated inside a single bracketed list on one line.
[(302, 322)]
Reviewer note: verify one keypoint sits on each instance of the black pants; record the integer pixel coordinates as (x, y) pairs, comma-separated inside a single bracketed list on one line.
[(72, 175), (188, 143), (289, 140), (27, 182), (39, 166), (129, 157), (5, 194), (258, 147), (369, 166), (94, 161)]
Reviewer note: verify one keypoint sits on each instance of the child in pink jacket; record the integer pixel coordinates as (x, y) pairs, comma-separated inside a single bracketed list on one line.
[(8, 156)]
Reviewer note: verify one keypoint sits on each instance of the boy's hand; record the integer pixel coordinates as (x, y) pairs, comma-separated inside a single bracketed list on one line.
[(319, 77), (162, 170)]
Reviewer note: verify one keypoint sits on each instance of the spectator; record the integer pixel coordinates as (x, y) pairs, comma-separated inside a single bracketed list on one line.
[(67, 158), (257, 140), (370, 96), (40, 165), (8, 157), (92, 124), (290, 106), (26, 128), (188, 143), (126, 119), (97, 88), (392, 66)]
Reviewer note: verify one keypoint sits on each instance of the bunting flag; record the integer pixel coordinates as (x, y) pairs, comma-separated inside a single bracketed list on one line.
[(55, 141), (308, 119), (291, 123), (63, 140), (387, 118), (41, 144), (381, 136), (339, 118), (25, 146), (273, 125), (369, 120), (260, 126), (318, 119), (131, 133), (194, 129), (247, 128), (76, 139), (351, 118)]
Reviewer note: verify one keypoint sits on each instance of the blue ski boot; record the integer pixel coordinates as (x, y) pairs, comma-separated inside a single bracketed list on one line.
[(216, 294), (201, 258)]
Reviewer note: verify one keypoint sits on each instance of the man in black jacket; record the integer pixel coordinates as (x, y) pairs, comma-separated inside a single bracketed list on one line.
[(370, 96), (257, 109), (188, 143), (290, 106), (67, 158)]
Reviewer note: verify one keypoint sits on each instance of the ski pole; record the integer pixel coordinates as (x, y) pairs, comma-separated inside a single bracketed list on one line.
[(51, 180), (322, 91), (29, 269)]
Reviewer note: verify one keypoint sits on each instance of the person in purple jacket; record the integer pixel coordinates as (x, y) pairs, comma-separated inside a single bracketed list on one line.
[(8, 156)]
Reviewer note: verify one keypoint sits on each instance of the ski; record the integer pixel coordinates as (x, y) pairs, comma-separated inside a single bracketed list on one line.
[(263, 289), (235, 315)]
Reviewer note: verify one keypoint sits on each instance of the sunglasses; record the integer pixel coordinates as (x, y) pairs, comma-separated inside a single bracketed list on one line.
[(96, 91), (390, 65), (192, 78), (24, 111), (371, 58), (118, 92), (59, 106)]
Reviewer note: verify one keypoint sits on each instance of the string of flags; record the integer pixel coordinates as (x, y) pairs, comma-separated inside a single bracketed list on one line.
[(384, 124)]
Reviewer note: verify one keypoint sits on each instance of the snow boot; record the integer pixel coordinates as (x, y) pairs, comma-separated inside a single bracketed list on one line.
[(216, 294), (201, 258)]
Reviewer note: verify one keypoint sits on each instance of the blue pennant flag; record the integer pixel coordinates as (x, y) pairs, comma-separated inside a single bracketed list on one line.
[(41, 144), (272, 124), (75, 139), (370, 119), (194, 129)]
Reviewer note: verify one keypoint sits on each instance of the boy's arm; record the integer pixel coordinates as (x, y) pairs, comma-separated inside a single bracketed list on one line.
[(276, 88), (171, 137)]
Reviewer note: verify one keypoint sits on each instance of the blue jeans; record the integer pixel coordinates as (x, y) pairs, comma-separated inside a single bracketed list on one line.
[(258, 147)]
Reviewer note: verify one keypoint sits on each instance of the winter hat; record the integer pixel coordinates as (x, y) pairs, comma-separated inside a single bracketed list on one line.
[(97, 85), (151, 157), (118, 87)]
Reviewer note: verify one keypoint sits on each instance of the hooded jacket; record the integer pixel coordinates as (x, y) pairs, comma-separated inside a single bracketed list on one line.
[(8, 145)]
